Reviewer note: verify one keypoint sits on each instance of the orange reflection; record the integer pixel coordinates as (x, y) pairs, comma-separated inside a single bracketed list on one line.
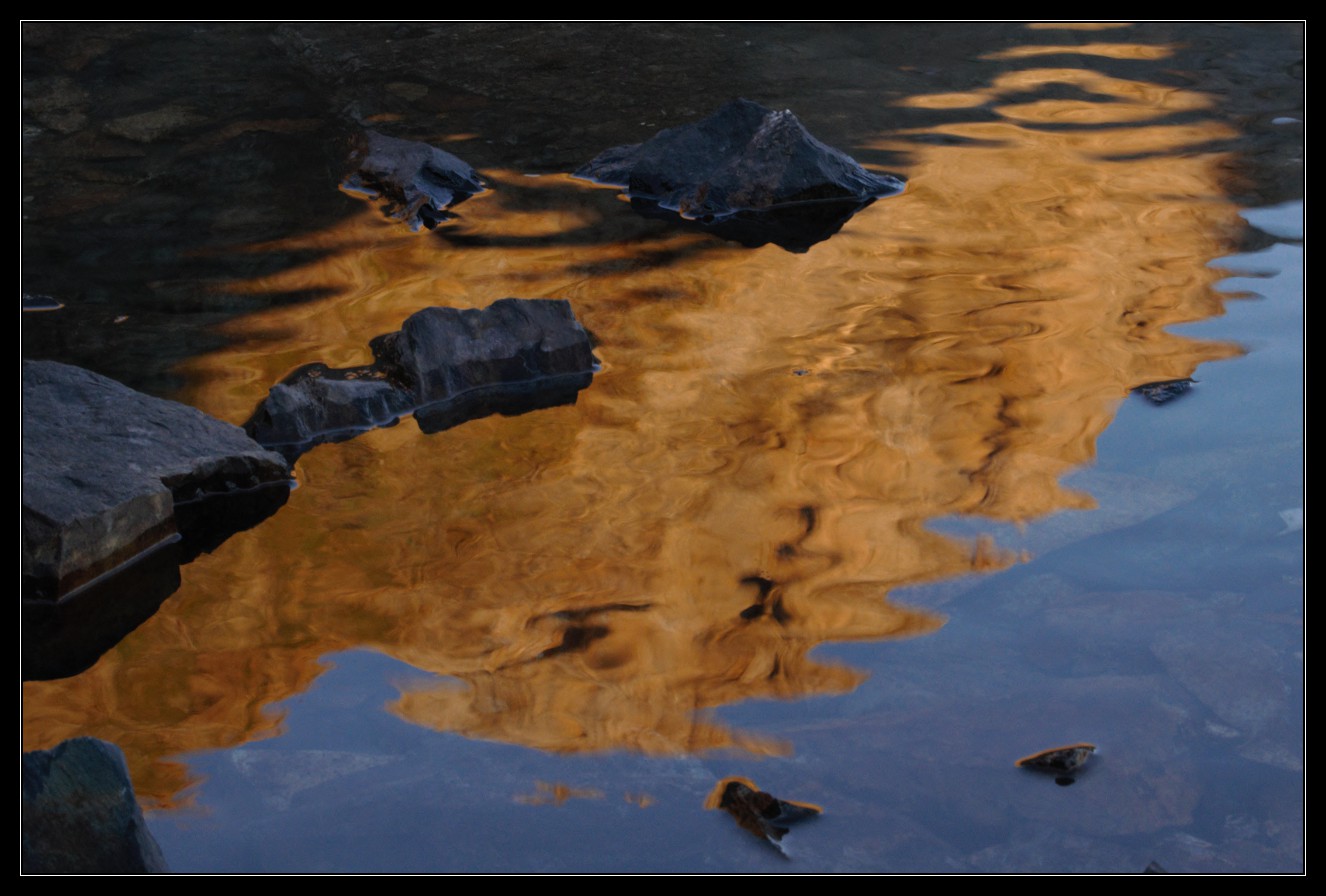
[(555, 794), (1110, 51), (748, 477)]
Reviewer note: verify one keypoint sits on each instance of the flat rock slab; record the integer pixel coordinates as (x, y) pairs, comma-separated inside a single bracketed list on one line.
[(746, 173), (417, 182), (444, 365), (80, 815), (104, 467)]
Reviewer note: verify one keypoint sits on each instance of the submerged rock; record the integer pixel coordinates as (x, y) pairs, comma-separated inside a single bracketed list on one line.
[(80, 815), (416, 182), (112, 477), (446, 365), (746, 173)]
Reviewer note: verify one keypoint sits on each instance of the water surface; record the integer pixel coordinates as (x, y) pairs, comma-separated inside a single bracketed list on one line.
[(864, 524)]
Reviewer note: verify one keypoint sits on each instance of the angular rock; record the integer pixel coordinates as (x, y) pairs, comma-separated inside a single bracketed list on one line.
[(80, 815), (104, 468), (747, 173), (763, 814), (417, 182), (445, 365)]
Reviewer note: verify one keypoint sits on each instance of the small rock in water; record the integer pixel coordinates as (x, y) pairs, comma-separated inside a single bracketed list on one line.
[(745, 173), (1063, 762), (1166, 390), (763, 814), (418, 182), (445, 365)]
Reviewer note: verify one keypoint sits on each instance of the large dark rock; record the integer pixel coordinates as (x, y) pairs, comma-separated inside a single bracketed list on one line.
[(445, 365), (416, 182), (747, 173), (80, 815), (119, 489), (104, 468)]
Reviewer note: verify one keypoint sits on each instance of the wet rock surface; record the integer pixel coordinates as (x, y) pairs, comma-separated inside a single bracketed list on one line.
[(445, 365), (416, 182), (746, 173), (80, 815), (104, 468)]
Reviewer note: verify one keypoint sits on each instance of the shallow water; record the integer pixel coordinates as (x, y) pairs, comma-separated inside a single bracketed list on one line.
[(527, 643)]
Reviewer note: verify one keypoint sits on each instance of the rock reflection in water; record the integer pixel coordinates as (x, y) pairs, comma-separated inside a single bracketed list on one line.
[(602, 576)]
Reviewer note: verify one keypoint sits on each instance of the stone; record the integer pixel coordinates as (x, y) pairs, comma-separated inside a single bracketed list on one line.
[(1165, 390), (762, 814), (746, 173), (104, 468), (417, 182), (1062, 762), (445, 365), (80, 815)]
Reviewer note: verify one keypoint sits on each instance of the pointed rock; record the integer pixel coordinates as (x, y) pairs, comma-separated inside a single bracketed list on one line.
[(747, 173), (763, 814)]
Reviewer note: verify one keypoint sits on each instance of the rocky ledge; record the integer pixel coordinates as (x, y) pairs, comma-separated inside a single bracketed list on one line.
[(104, 468)]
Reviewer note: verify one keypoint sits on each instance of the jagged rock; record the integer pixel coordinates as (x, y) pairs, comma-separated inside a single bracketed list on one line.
[(104, 468), (747, 173), (763, 814), (417, 182), (445, 365), (80, 815)]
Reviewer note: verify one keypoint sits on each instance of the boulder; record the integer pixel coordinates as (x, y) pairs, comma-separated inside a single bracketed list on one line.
[(747, 173), (104, 468), (416, 182), (444, 365), (80, 815)]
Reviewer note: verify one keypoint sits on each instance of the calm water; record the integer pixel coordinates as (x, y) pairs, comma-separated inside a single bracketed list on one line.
[(920, 431)]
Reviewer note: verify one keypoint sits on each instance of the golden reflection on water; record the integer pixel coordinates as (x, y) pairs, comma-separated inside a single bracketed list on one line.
[(748, 477), (1108, 50)]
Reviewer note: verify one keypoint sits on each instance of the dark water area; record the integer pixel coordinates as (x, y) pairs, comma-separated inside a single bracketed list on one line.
[(863, 525)]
